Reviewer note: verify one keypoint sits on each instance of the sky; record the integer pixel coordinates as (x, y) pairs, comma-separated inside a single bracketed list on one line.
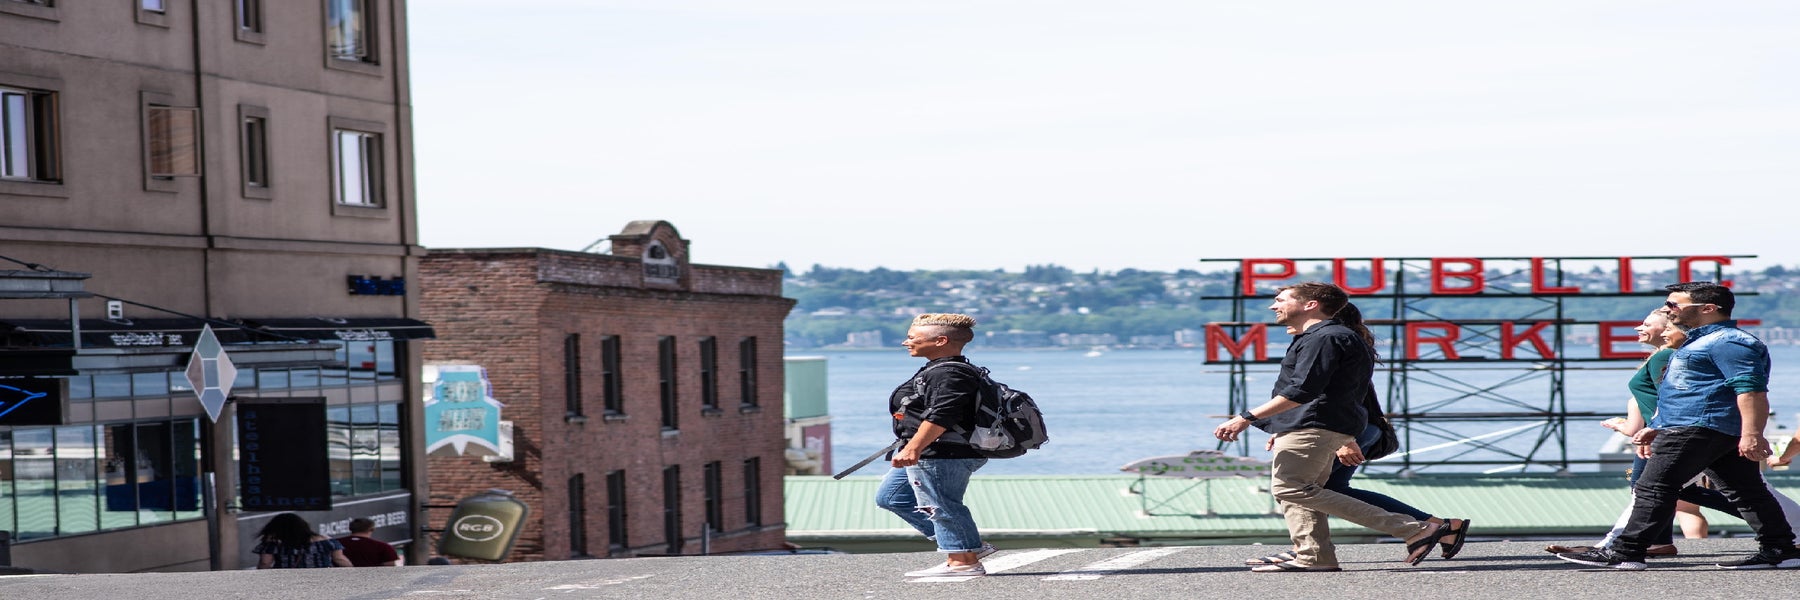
[(1150, 134)]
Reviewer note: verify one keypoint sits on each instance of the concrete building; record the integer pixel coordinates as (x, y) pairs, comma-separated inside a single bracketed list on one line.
[(643, 391), (244, 165)]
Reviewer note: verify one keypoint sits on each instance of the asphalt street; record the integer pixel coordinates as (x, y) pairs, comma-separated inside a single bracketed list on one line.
[(1484, 570)]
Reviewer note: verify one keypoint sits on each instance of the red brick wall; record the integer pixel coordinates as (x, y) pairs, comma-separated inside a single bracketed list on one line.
[(509, 311)]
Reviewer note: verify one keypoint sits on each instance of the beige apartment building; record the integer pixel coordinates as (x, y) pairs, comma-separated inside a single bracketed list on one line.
[(169, 165)]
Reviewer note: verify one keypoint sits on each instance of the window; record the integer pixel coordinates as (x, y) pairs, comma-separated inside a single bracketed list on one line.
[(610, 378), (709, 374), (253, 145), (173, 140), (249, 20), (578, 515), (672, 508), (747, 371), (753, 492), (572, 376), (665, 355), (715, 505), (37, 9), (356, 168), (28, 140), (616, 537), (349, 31), (153, 12)]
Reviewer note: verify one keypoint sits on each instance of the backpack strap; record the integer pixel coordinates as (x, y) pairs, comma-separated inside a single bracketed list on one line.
[(982, 372)]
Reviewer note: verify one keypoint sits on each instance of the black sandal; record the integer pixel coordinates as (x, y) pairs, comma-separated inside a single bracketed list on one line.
[(1417, 549), (1453, 547)]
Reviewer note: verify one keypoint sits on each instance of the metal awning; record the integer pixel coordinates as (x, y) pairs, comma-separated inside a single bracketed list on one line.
[(176, 333), (349, 329), (44, 346)]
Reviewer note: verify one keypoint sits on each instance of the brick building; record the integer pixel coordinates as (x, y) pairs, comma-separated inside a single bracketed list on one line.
[(644, 393)]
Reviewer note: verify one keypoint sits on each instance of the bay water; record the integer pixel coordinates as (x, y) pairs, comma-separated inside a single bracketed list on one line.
[(1109, 408)]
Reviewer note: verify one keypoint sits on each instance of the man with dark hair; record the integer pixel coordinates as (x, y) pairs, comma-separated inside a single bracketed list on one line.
[(364, 550), (1317, 408), (1711, 407)]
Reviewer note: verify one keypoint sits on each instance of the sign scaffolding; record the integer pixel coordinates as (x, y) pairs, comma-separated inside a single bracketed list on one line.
[(1475, 352)]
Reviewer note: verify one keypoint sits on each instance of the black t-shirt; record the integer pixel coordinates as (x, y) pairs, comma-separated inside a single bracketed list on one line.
[(1327, 370), (950, 398)]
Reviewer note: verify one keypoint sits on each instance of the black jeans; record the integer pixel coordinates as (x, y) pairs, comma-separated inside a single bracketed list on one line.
[(1677, 455)]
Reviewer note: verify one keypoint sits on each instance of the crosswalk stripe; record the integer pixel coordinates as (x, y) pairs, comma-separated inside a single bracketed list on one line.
[(1003, 563), (1112, 565)]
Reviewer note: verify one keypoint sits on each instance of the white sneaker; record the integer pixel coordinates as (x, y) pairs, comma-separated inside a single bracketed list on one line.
[(985, 551), (949, 570)]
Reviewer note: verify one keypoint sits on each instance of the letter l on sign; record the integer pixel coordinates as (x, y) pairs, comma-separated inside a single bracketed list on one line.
[(211, 373)]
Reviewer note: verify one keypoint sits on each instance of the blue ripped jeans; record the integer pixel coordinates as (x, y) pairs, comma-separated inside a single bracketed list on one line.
[(929, 497)]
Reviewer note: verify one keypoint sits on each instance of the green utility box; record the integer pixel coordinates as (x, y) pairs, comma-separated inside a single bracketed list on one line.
[(483, 526)]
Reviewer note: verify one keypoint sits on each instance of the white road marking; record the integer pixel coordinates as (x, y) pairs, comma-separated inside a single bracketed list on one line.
[(1112, 565), (597, 584), (1002, 563)]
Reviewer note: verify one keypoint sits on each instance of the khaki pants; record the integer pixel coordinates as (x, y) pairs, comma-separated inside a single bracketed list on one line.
[(1302, 462)]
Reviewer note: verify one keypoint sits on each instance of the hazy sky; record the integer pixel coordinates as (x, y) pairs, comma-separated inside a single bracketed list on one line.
[(1143, 134)]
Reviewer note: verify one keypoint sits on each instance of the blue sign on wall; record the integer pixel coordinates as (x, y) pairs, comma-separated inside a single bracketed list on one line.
[(33, 401), (461, 410)]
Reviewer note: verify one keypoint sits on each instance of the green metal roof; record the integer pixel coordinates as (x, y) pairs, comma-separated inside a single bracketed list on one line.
[(820, 509)]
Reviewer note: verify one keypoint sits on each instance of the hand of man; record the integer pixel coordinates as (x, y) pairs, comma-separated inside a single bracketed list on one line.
[(1229, 430), (1351, 454), (1754, 447), (1642, 440), (906, 457)]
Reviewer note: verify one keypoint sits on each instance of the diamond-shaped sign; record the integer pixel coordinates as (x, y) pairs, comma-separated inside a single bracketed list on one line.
[(211, 373)]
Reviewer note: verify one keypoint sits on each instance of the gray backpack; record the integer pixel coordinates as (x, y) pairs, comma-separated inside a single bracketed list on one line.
[(1007, 421)]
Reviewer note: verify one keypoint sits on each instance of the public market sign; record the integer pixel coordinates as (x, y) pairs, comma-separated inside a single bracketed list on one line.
[(1397, 280)]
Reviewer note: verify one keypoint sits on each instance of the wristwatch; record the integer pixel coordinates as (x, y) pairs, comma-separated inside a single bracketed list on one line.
[(1247, 416)]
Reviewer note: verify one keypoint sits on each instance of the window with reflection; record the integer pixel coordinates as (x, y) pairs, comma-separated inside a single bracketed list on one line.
[(365, 449), (389, 439), (77, 474), (8, 491), (34, 483), (338, 425)]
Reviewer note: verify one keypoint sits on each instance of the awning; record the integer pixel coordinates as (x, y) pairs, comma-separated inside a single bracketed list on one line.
[(159, 333), (349, 329), (103, 333)]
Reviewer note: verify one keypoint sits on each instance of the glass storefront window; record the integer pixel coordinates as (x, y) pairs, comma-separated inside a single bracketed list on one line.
[(389, 420), (112, 386), (156, 487), (150, 384), (81, 387), (77, 472), (361, 360), (121, 474), (303, 378), (246, 379), (385, 367), (337, 448), (271, 379), (34, 483), (8, 491), (185, 456), (365, 449)]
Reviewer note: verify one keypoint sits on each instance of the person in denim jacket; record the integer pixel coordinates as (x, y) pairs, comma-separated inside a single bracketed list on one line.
[(1712, 405)]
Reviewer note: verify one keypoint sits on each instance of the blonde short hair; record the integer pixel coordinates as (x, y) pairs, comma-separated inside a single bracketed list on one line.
[(958, 327)]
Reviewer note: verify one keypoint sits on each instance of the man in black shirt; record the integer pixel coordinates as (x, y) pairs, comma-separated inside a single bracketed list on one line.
[(1316, 409), (933, 411)]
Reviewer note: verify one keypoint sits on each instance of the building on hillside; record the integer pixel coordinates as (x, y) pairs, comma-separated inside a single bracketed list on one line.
[(643, 393), (166, 166)]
